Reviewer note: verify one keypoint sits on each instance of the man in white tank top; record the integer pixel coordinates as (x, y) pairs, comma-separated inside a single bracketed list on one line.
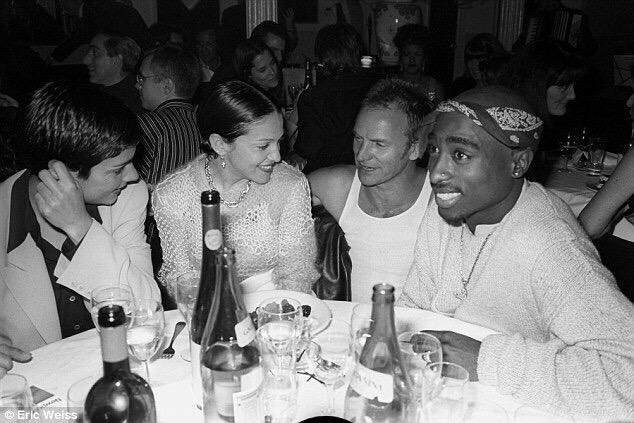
[(379, 203)]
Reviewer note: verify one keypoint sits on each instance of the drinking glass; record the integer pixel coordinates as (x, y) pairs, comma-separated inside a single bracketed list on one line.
[(567, 147), (15, 394), (186, 294), (427, 346), (146, 331), (76, 395), (280, 323), (444, 392), (335, 360), (278, 401), (109, 295), (294, 88), (360, 323), (597, 155)]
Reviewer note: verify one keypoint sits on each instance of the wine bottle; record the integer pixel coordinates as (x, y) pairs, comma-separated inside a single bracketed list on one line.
[(120, 395), (212, 241), (380, 389), (230, 360)]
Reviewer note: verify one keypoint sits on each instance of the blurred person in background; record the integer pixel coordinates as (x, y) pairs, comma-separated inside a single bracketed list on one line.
[(255, 63), (412, 41)]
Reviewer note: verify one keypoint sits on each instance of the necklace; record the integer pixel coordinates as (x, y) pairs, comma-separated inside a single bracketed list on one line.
[(230, 204), (462, 295)]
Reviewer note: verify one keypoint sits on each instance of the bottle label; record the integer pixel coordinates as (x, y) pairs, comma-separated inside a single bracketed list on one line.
[(372, 384), (213, 239), (245, 332), (237, 395)]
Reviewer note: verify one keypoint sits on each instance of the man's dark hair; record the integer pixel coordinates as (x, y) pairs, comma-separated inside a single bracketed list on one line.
[(264, 28), (180, 66), (412, 34), (76, 124), (339, 47), (404, 96), (229, 109), (244, 54), (126, 47)]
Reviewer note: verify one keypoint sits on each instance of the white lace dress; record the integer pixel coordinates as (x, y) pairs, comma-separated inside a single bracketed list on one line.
[(271, 228)]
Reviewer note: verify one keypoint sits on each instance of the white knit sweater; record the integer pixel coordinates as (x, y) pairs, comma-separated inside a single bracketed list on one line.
[(567, 333)]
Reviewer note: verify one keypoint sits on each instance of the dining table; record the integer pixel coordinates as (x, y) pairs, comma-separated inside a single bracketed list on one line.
[(578, 186), (56, 366)]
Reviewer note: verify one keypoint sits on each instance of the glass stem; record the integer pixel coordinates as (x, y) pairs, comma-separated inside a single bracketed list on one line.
[(331, 399), (147, 370)]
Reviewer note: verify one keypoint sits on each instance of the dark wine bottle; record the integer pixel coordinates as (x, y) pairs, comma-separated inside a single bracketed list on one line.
[(230, 360), (120, 395), (380, 389), (212, 241)]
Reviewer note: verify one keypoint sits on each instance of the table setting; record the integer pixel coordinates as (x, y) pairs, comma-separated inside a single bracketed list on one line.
[(335, 332)]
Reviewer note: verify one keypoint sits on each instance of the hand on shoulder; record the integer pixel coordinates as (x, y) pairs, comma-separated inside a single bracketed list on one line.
[(330, 186)]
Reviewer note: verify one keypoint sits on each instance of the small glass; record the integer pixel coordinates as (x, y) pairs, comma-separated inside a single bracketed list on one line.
[(597, 156), (360, 323), (567, 147), (445, 392), (278, 401), (15, 394), (108, 295), (76, 396), (186, 294), (427, 346), (335, 360), (145, 332)]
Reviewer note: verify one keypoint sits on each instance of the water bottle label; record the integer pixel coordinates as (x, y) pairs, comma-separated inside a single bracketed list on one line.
[(372, 384), (245, 332), (213, 239)]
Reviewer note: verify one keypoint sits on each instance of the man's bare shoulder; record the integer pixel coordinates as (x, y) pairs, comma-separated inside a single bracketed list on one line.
[(330, 186)]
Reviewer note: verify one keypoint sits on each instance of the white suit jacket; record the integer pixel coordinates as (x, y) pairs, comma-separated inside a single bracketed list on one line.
[(113, 252)]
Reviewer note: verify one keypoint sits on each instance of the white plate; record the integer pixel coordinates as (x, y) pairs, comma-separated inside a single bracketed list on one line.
[(319, 310)]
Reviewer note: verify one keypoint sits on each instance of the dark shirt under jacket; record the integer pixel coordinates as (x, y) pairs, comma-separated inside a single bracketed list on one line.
[(73, 316), (326, 117), (125, 91), (170, 139)]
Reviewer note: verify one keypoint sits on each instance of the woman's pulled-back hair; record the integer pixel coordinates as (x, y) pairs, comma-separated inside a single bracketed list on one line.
[(229, 109), (339, 47), (76, 124)]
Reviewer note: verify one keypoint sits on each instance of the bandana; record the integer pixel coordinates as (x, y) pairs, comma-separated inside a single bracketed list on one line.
[(511, 126)]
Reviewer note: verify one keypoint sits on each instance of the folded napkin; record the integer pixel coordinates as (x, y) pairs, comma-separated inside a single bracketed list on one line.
[(259, 282)]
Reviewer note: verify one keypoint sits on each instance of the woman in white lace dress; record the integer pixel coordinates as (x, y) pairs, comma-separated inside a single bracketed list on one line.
[(265, 204)]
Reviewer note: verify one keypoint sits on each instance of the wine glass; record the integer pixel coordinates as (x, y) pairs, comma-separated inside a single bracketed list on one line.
[(280, 324), (360, 323), (186, 294), (109, 295), (422, 344), (15, 394), (146, 331), (294, 88), (336, 358), (444, 392), (76, 395), (567, 147)]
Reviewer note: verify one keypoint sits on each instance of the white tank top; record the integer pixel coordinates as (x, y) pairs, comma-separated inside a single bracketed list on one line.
[(381, 248)]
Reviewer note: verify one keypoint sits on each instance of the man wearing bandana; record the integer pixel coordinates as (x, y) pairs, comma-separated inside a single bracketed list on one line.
[(501, 252)]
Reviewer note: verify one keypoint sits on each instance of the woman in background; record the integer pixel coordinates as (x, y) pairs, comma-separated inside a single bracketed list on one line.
[(412, 41), (255, 63), (265, 204)]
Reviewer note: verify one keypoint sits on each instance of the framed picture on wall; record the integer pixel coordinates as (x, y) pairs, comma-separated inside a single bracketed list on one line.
[(306, 11)]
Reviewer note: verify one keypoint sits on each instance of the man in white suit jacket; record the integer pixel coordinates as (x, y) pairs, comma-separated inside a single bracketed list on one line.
[(72, 220)]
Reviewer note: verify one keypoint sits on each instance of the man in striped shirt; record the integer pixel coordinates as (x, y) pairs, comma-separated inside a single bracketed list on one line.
[(167, 80)]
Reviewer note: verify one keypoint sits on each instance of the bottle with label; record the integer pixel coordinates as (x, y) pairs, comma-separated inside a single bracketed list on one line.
[(212, 241), (380, 389), (229, 358), (308, 74), (120, 395)]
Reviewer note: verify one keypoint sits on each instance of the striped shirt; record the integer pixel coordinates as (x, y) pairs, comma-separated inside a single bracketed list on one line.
[(170, 139)]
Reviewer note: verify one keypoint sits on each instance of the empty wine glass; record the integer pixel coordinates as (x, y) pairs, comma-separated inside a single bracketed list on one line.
[(422, 344), (336, 358), (444, 392), (566, 147), (360, 323), (186, 294), (76, 395), (15, 393), (146, 331), (109, 295)]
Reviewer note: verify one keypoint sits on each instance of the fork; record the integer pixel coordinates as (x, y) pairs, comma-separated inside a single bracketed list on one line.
[(169, 351)]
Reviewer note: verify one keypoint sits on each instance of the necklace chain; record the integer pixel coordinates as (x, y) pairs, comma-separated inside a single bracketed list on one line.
[(465, 282), (210, 180)]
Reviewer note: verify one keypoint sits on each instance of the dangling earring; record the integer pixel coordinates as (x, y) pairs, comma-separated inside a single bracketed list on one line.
[(223, 164)]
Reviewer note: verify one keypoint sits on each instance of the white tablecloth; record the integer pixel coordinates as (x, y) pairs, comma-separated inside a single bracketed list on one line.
[(573, 189), (56, 366)]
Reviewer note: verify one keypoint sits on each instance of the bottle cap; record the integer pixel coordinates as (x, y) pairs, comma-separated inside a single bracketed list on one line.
[(110, 316), (210, 197)]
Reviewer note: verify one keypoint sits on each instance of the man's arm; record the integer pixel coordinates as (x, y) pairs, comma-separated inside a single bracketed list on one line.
[(587, 362), (330, 186)]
